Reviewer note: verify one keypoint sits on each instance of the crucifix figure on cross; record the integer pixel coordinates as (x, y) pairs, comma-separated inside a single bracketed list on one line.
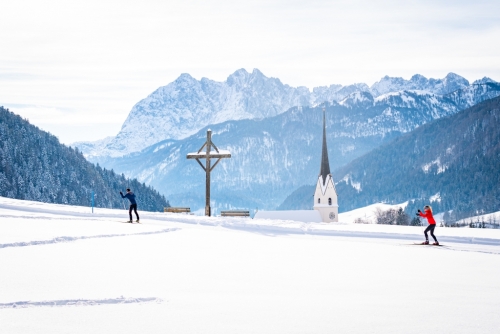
[(207, 155)]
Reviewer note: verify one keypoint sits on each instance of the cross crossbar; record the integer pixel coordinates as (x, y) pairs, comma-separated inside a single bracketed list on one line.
[(208, 155)]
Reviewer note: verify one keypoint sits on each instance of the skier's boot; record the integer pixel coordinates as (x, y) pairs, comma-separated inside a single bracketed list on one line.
[(436, 243), (426, 242), (137, 221), (129, 221)]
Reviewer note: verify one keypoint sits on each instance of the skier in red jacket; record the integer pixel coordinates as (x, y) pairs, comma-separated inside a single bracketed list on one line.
[(432, 224)]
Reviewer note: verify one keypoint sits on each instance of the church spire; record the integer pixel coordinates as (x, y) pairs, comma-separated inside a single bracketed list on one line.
[(325, 164)]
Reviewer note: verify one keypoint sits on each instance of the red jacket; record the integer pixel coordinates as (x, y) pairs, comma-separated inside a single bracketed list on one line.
[(428, 215)]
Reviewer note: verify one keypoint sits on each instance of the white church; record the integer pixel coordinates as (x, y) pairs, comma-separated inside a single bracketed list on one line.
[(326, 208)]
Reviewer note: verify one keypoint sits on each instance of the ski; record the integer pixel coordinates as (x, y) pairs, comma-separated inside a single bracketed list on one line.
[(421, 244)]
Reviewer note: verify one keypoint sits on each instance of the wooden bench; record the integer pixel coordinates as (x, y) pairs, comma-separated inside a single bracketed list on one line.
[(235, 213), (173, 209)]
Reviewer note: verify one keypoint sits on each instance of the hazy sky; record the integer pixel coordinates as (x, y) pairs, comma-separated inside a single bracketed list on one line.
[(76, 68)]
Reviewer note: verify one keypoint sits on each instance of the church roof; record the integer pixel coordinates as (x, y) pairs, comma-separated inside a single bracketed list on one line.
[(325, 164)]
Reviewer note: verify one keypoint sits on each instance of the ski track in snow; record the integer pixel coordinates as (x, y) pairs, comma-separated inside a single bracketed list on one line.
[(452, 243), (49, 218), (80, 302), (37, 208), (457, 247), (312, 229), (243, 224), (69, 239)]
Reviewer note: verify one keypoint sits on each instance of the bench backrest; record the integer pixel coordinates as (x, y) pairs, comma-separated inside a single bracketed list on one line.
[(176, 209), (235, 213)]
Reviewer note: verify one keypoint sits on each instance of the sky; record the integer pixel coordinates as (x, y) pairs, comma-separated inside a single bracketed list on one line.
[(76, 68)]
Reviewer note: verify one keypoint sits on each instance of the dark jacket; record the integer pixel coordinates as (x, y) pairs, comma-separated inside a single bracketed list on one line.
[(130, 196)]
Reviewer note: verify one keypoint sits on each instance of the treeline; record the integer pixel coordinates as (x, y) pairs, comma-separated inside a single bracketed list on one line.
[(400, 217), (391, 217), (35, 166)]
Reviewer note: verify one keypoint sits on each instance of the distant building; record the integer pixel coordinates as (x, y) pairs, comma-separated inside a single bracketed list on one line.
[(326, 208), (325, 196)]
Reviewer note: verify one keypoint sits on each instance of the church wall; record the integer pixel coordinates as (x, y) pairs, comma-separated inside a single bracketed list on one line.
[(329, 213)]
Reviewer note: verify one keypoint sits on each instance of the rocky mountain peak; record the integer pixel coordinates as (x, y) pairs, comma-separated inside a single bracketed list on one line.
[(483, 81), (450, 83), (184, 78), (453, 82), (359, 99), (389, 84), (419, 80), (238, 78)]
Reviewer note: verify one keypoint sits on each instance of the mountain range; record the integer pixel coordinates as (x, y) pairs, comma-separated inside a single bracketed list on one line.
[(186, 105), (273, 156)]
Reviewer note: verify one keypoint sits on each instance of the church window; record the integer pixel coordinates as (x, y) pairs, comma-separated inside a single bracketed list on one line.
[(319, 200), (329, 201)]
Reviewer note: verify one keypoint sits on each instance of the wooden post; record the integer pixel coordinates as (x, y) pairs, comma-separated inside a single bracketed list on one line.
[(207, 155), (207, 172)]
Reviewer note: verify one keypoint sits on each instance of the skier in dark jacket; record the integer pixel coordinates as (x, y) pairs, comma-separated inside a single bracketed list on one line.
[(432, 224), (133, 204)]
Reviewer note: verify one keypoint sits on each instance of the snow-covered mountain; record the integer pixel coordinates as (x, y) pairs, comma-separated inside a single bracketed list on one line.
[(273, 156), (448, 84), (186, 105), (183, 107)]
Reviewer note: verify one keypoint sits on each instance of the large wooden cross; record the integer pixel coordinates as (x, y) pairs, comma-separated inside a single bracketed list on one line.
[(207, 155)]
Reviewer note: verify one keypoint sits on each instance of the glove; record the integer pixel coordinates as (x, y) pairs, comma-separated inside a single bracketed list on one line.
[(419, 210), (121, 193), (418, 214)]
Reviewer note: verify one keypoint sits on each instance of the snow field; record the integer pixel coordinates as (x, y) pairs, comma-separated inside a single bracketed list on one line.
[(190, 275)]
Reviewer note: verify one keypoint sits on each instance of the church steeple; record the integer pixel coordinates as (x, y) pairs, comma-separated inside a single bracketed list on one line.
[(325, 164), (325, 195)]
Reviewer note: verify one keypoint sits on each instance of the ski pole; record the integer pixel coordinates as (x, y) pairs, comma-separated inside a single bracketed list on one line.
[(123, 202)]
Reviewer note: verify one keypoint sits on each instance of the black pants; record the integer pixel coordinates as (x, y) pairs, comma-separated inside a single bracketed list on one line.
[(133, 207), (430, 228)]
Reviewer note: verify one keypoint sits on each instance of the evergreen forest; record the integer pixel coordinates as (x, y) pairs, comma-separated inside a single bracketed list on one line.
[(35, 166)]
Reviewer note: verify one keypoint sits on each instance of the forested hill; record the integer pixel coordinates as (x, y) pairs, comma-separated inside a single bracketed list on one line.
[(35, 166), (453, 162)]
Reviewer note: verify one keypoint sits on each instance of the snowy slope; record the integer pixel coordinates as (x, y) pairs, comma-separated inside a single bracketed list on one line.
[(187, 274)]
